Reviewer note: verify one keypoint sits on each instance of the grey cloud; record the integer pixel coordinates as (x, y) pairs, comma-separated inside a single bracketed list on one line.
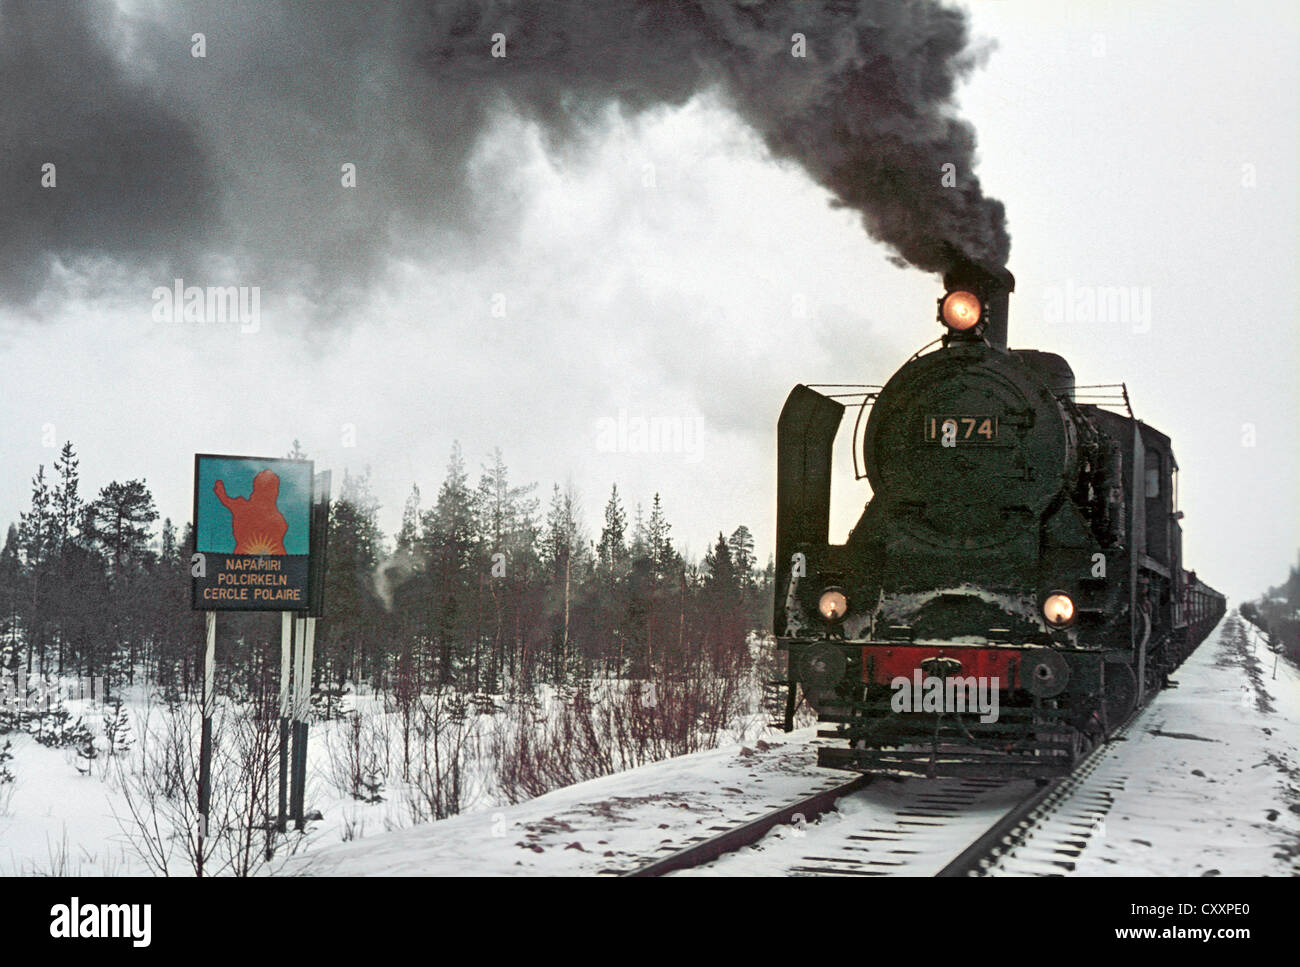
[(230, 164)]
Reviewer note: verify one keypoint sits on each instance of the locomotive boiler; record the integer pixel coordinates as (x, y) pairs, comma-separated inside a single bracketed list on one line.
[(1014, 588)]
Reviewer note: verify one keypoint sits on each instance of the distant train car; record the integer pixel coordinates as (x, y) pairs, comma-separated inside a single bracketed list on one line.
[(1022, 549)]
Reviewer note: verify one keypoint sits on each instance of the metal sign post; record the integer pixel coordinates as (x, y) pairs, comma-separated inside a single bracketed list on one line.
[(205, 736), (309, 640), (305, 651), (299, 723), (286, 658)]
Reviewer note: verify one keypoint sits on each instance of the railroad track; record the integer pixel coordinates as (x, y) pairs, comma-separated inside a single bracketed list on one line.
[(912, 822), (727, 839), (1045, 834), (911, 826)]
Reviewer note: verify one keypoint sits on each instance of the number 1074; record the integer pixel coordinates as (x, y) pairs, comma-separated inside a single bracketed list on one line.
[(954, 429)]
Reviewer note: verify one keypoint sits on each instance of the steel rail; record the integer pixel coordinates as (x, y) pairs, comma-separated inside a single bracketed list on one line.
[(1010, 829), (750, 832), (1010, 832)]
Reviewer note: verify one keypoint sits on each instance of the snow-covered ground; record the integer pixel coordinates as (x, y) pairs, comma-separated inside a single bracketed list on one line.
[(57, 820), (1213, 771), (602, 825), (1211, 784)]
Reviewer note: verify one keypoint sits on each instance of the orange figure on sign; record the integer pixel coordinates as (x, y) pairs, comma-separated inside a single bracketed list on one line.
[(256, 522)]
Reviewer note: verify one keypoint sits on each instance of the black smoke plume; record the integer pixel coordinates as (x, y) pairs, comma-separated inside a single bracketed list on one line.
[(868, 110), (230, 163)]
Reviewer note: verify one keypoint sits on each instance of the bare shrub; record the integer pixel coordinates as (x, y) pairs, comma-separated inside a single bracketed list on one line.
[(614, 725), (160, 790), (441, 730), (354, 827), (357, 756)]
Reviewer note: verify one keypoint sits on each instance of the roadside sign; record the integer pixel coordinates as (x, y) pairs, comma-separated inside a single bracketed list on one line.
[(252, 533)]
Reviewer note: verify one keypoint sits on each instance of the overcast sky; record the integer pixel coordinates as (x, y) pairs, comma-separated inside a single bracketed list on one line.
[(491, 282)]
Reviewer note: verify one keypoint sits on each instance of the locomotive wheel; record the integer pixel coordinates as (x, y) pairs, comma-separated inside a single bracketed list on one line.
[(1121, 695)]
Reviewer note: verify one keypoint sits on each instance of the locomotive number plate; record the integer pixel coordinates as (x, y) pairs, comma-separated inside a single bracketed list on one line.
[(951, 429)]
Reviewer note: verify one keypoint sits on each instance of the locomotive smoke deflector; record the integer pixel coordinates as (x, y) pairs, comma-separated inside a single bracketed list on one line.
[(805, 436), (974, 305)]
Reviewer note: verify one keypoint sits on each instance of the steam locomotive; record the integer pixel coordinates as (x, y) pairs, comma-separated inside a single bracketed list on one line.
[(1014, 588)]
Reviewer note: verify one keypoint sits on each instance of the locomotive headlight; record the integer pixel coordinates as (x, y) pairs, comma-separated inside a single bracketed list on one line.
[(833, 605), (1058, 609), (960, 310)]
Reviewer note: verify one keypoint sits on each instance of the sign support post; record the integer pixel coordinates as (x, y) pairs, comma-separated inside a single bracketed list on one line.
[(286, 650), (299, 739), (308, 645), (306, 627), (205, 737)]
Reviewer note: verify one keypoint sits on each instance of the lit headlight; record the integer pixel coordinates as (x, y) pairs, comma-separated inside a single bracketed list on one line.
[(833, 605), (960, 310), (1058, 609)]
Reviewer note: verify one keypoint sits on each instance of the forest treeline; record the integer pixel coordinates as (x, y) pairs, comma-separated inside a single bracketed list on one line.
[(1277, 613), (486, 588)]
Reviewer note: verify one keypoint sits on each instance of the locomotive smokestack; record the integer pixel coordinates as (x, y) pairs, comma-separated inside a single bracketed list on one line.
[(994, 286)]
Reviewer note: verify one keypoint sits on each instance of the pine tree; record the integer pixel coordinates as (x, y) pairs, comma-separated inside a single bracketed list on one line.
[(507, 516), (37, 527), (409, 534), (451, 523), (36, 530), (66, 597), (118, 523), (170, 626), (723, 617), (507, 519), (741, 545), (495, 505), (168, 546), (86, 751), (665, 560), (10, 581), (557, 539), (53, 723), (355, 548), (7, 778), (448, 544), (117, 728), (67, 504), (612, 552), (722, 572), (564, 554), (639, 549)]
